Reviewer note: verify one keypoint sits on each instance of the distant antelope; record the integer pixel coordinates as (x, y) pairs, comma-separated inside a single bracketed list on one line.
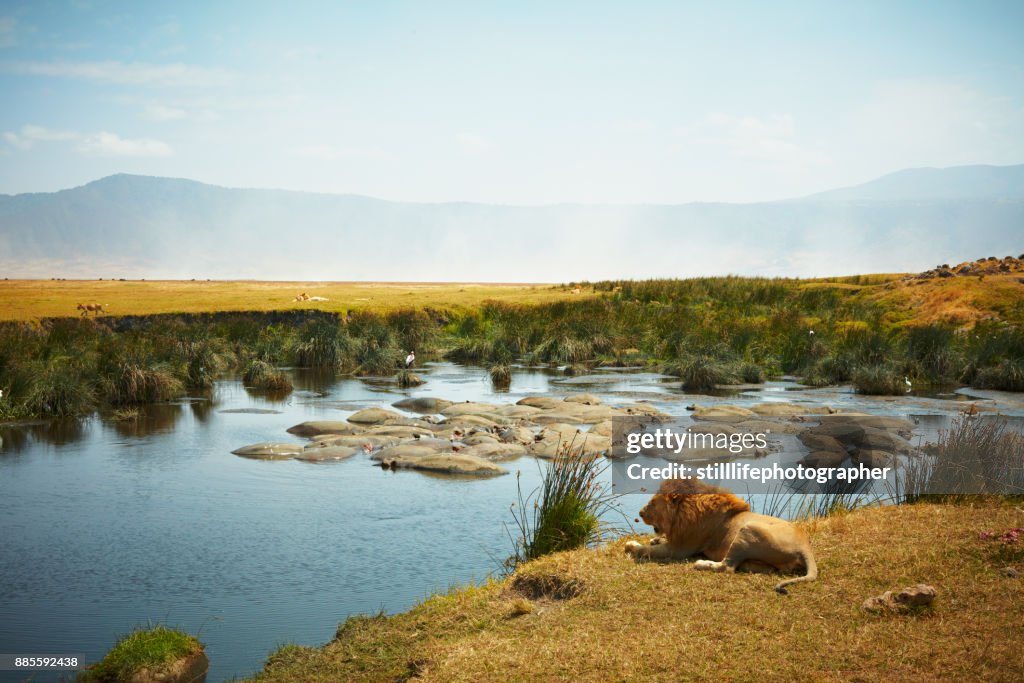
[(91, 308)]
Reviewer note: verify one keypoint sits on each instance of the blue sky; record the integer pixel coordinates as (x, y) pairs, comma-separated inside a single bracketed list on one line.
[(520, 103)]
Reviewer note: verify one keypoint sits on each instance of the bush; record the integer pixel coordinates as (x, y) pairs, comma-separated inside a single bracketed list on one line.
[(501, 376), (751, 373), (58, 389), (1008, 375), (879, 380), (262, 375), (129, 383), (702, 373)]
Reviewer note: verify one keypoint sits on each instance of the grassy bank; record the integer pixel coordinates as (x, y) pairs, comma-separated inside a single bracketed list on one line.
[(706, 331), (620, 620)]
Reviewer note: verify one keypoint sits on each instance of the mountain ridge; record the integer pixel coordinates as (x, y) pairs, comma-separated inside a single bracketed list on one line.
[(148, 226)]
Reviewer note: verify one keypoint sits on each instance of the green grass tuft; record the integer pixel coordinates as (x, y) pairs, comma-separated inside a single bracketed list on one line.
[(143, 649)]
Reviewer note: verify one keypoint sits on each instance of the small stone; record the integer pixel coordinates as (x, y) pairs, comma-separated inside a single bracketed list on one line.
[(1010, 573), (921, 595)]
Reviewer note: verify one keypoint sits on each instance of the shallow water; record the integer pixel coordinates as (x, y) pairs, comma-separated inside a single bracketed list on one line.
[(107, 526)]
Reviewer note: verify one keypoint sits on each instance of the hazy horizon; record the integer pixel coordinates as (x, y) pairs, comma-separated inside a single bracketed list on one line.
[(578, 103)]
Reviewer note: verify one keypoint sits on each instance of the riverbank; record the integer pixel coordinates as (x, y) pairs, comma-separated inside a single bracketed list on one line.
[(882, 334), (648, 621)]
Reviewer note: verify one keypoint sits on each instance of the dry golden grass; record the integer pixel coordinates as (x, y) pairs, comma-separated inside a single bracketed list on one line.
[(665, 622), (962, 300), (33, 299)]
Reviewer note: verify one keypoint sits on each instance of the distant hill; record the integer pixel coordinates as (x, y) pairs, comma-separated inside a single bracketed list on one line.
[(137, 226), (917, 184)]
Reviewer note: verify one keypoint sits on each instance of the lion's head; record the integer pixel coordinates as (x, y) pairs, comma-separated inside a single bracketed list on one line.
[(680, 504)]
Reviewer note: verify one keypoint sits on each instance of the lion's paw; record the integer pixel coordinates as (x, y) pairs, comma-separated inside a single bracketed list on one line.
[(707, 565), (633, 547)]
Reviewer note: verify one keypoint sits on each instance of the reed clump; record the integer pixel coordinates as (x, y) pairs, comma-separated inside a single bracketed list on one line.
[(265, 377)]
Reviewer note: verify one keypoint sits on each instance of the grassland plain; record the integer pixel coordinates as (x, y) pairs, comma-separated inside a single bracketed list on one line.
[(35, 299), (664, 622)]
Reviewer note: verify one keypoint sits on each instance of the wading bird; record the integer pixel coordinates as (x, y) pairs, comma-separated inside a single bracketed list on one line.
[(410, 359)]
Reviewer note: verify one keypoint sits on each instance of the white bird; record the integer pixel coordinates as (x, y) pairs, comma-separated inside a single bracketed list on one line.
[(906, 380), (410, 359), (811, 333)]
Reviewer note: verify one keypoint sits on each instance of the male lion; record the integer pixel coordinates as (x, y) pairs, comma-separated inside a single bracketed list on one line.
[(700, 519)]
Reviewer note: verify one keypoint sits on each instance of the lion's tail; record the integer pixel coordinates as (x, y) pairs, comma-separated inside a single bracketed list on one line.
[(812, 572)]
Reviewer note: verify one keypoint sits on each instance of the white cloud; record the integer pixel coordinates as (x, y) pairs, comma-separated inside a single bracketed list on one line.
[(110, 144), (100, 144), (472, 143), (161, 113), (29, 135), (127, 73), (772, 139)]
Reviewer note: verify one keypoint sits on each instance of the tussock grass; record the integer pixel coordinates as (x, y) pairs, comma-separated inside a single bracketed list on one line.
[(129, 382), (501, 376), (665, 622), (262, 375), (565, 512), (976, 455), (702, 373), (142, 649), (879, 380)]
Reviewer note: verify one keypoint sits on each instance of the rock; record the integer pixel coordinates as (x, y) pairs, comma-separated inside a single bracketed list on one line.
[(374, 416), (476, 438), (542, 402), (521, 435), (468, 421), (919, 596), (1010, 573), (422, 405), (899, 424), (879, 439), (872, 458), (821, 442), (844, 432), (782, 409), (409, 451), (268, 450), (588, 399), (326, 454), (495, 451), (770, 426), (470, 408), (448, 463), (713, 428), (401, 431), (724, 410), (602, 428), (517, 411), (823, 459), (555, 417), (372, 441), (318, 427), (641, 409)]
